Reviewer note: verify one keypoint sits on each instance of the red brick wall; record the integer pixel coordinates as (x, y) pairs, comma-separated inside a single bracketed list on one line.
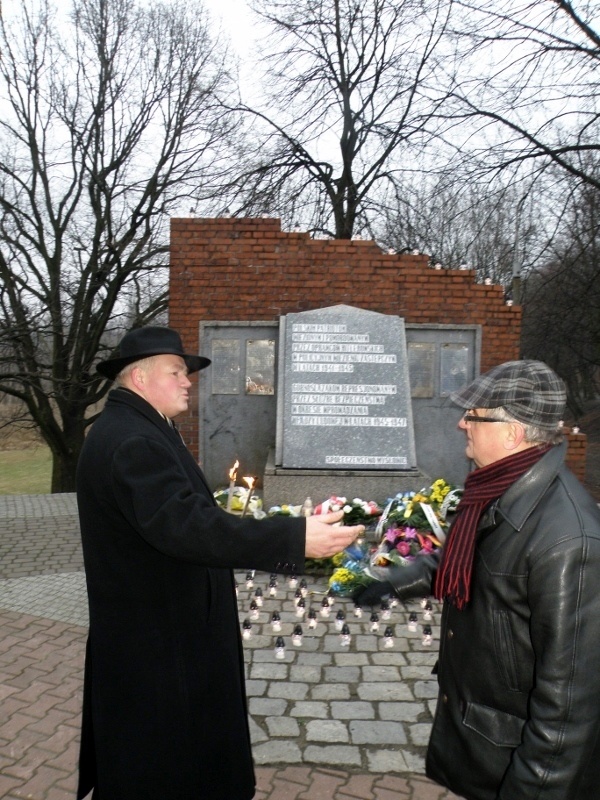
[(248, 269)]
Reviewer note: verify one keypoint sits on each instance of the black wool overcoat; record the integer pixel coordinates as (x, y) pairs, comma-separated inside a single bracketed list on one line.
[(165, 714)]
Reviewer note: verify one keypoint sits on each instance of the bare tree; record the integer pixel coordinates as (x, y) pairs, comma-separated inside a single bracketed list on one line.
[(529, 86), (352, 101), (561, 315), (108, 121), (494, 228)]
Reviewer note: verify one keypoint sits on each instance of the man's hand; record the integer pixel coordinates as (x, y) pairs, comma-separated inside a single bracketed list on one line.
[(324, 538)]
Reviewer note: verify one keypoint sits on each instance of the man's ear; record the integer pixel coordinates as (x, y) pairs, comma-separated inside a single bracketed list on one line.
[(515, 436), (138, 377)]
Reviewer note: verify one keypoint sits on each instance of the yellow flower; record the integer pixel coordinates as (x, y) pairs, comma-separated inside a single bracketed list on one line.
[(337, 559), (341, 575)]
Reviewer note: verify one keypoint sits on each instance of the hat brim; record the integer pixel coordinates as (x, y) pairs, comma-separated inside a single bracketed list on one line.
[(112, 366)]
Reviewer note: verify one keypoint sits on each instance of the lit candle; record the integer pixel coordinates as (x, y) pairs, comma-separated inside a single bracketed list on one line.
[(250, 482), (232, 476)]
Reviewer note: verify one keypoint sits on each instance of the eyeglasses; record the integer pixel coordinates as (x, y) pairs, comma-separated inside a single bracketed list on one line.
[(470, 417)]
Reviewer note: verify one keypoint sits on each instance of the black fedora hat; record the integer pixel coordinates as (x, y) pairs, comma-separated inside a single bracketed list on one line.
[(145, 342)]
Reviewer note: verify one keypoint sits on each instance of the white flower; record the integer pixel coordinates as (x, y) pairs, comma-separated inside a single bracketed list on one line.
[(347, 509)]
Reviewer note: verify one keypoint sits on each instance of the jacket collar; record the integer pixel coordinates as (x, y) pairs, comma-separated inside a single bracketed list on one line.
[(121, 395), (519, 501)]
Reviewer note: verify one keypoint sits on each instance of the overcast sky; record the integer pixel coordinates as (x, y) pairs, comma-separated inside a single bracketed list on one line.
[(236, 21)]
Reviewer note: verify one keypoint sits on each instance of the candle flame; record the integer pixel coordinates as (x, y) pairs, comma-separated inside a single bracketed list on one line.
[(250, 482), (233, 471)]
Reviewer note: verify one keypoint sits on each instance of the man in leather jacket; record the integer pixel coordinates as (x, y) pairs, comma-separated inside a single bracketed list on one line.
[(518, 713)]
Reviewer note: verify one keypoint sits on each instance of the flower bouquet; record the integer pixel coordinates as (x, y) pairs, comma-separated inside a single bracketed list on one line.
[(413, 523), (351, 570), (356, 512)]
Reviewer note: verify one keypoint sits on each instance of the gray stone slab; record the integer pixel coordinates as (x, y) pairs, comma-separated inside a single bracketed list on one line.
[(277, 751), (267, 706), (256, 688), (256, 732), (419, 733), (380, 673), (384, 691), (377, 732), (283, 727), (401, 712), (338, 691), (345, 399), (326, 730), (333, 754), (426, 689), (352, 709), (289, 691), (342, 674), (306, 673), (269, 671), (388, 761), (310, 708)]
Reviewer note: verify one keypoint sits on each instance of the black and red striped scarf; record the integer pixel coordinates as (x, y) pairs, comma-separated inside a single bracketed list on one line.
[(453, 578)]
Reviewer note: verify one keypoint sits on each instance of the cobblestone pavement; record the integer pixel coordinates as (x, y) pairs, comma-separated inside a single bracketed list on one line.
[(328, 720)]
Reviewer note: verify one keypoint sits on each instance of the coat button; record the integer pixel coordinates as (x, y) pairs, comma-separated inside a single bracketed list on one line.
[(444, 698), (450, 634)]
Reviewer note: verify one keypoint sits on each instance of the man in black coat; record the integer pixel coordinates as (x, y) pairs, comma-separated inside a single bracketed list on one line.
[(165, 714), (518, 713)]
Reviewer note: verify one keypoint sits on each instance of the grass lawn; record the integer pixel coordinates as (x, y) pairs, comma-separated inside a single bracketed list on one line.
[(25, 471)]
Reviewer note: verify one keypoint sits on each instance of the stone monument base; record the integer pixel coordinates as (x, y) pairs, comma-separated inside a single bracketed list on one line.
[(293, 486)]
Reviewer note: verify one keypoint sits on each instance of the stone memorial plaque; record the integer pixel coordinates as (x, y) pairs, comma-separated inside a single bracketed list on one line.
[(260, 366), (421, 365), (454, 368), (225, 371), (344, 396)]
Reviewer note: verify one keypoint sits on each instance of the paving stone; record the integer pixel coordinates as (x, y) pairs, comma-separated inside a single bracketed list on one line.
[(283, 726), (401, 712), (266, 707), (308, 708), (426, 689), (256, 688), (419, 733), (308, 673), (384, 691), (289, 691), (270, 671), (386, 760), (333, 754), (396, 658), (314, 659), (377, 732), (380, 673), (352, 709), (342, 674), (256, 732), (327, 730), (277, 751), (340, 691), (350, 659)]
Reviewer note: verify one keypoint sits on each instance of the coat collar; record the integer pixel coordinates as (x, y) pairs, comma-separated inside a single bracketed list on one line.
[(122, 396), (519, 501)]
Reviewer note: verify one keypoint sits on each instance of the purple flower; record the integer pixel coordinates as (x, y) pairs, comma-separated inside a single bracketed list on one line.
[(410, 533)]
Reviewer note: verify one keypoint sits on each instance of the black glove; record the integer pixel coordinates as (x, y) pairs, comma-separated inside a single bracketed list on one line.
[(373, 594)]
